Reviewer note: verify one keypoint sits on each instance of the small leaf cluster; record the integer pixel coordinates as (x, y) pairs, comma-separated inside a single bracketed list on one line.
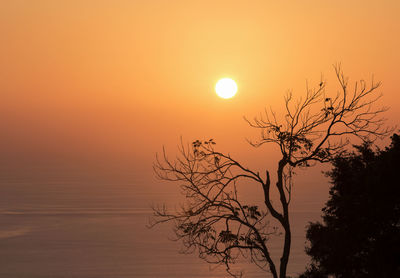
[(252, 212)]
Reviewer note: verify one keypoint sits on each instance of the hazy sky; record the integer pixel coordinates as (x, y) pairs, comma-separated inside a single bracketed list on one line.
[(105, 84)]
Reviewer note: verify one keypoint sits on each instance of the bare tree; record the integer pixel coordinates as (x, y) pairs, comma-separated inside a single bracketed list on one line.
[(216, 222)]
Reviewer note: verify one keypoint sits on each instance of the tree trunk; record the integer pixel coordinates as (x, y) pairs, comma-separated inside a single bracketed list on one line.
[(285, 221), (286, 251)]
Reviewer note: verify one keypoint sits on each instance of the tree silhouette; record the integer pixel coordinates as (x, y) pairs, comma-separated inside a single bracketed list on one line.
[(360, 234), (215, 221)]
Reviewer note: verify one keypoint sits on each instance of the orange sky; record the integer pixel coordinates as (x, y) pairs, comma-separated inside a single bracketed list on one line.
[(109, 82)]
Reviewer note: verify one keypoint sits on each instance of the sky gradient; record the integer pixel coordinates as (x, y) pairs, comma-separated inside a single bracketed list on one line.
[(90, 81)]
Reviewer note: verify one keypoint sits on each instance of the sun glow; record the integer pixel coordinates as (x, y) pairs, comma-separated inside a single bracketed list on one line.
[(226, 88)]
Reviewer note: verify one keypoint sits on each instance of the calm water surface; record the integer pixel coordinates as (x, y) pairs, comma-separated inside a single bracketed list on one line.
[(83, 230)]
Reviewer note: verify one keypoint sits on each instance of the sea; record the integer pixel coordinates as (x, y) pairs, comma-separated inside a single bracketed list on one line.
[(99, 229)]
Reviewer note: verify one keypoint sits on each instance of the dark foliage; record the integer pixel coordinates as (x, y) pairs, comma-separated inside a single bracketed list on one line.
[(360, 233)]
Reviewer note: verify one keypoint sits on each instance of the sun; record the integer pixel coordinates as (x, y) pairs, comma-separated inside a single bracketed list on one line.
[(226, 88)]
